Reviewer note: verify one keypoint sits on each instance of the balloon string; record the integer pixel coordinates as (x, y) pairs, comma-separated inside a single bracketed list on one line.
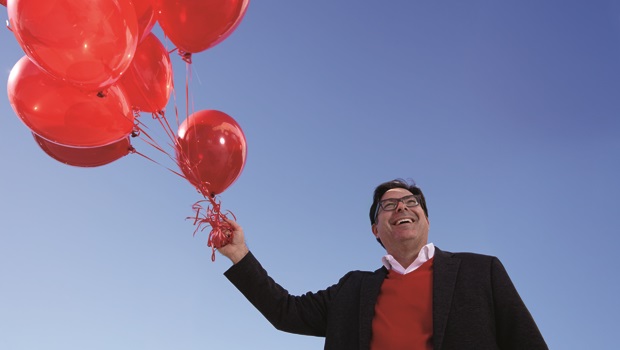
[(150, 141), (208, 215), (188, 76), (140, 131), (221, 232), (161, 118), (133, 150), (181, 159)]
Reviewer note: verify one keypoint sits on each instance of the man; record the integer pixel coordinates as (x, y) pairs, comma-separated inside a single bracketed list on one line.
[(422, 298)]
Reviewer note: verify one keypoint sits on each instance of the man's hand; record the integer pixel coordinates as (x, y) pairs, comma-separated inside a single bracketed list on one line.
[(236, 249)]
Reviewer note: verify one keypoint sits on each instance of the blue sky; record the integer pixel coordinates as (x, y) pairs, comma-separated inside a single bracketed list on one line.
[(505, 113)]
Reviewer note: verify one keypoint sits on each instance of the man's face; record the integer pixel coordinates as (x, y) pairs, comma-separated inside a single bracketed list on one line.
[(402, 227)]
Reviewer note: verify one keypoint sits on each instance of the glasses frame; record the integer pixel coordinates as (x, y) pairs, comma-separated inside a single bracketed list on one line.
[(398, 200)]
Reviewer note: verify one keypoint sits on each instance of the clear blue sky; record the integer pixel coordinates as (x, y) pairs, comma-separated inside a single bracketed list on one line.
[(506, 113)]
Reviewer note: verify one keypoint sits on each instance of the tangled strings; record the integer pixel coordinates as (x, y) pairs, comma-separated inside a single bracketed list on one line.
[(208, 215), (221, 232), (208, 211)]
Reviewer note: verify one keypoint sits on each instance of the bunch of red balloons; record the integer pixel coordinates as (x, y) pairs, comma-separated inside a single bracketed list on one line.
[(91, 66)]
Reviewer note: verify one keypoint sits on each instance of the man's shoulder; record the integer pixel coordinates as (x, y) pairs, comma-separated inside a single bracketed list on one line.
[(356, 276), (464, 256), (469, 264), (363, 273)]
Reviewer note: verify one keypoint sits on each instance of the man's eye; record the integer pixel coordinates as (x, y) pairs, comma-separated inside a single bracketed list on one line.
[(389, 206)]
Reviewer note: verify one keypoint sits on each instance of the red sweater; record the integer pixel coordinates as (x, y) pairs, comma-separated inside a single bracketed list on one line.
[(404, 311)]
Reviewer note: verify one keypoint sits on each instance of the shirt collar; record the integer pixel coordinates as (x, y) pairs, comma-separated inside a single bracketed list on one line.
[(426, 253)]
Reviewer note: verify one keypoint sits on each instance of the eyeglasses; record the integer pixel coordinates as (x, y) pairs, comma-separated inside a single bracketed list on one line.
[(391, 204)]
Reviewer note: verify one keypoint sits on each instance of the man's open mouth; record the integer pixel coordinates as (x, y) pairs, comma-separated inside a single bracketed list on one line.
[(404, 221)]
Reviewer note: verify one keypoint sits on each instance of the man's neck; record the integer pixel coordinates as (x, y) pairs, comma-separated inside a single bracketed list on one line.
[(406, 255), (425, 254)]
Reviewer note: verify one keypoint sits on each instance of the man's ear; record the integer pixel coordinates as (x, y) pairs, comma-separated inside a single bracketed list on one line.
[(374, 230)]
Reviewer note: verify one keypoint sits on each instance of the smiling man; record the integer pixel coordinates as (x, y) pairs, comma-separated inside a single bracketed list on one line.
[(422, 297)]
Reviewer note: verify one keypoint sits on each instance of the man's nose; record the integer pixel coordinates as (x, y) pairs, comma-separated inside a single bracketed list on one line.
[(401, 206)]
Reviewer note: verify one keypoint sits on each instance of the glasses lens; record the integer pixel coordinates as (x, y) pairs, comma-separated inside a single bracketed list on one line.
[(389, 204), (410, 201)]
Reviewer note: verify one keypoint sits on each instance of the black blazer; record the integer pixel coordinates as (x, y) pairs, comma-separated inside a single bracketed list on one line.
[(475, 305)]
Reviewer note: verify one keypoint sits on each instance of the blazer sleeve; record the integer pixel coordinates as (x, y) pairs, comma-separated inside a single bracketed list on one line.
[(515, 327), (305, 314)]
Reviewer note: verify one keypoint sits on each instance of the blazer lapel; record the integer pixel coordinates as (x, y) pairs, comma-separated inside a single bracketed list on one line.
[(370, 287), (445, 270)]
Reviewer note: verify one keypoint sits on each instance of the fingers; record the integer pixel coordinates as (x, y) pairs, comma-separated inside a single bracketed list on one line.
[(236, 249), (235, 231), (233, 224)]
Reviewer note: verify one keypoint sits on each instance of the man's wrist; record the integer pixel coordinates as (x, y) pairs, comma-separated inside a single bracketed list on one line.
[(239, 254)]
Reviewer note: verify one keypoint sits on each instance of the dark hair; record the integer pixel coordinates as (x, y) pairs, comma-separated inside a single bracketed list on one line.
[(397, 183)]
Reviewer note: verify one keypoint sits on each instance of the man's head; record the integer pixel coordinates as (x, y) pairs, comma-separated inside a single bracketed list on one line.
[(398, 214)]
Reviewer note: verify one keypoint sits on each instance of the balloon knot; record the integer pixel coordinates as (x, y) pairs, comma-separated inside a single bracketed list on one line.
[(159, 115), (186, 56)]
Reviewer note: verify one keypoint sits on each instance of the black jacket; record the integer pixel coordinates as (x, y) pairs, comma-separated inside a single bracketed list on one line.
[(475, 305)]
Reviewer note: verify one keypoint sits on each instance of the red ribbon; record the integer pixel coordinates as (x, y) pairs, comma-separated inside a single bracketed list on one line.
[(221, 232)]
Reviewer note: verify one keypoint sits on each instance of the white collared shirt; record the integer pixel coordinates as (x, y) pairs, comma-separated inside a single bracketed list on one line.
[(426, 253)]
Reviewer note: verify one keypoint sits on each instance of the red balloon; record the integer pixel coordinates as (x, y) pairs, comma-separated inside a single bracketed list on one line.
[(148, 81), (196, 25), (64, 114), (85, 43), (85, 157), (145, 12), (211, 151)]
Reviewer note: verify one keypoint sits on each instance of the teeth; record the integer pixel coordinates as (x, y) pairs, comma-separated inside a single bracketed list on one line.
[(402, 221)]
